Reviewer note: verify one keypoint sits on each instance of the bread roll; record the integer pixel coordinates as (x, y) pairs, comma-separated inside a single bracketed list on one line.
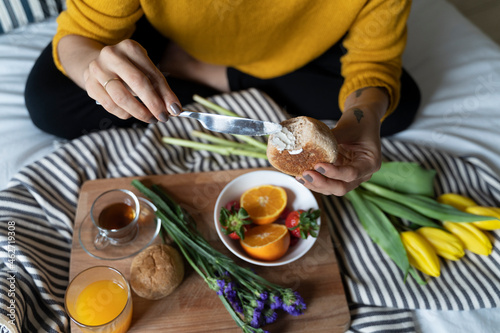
[(302, 143), (156, 271)]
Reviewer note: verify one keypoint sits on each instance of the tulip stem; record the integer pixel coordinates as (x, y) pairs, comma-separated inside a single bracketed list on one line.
[(217, 108)]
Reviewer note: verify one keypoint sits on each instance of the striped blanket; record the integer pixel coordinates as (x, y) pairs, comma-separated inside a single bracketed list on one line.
[(38, 208)]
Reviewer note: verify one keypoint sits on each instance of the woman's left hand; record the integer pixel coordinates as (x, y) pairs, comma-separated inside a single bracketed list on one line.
[(359, 151)]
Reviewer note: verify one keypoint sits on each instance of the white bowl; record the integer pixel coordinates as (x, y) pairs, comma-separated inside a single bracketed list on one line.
[(299, 197)]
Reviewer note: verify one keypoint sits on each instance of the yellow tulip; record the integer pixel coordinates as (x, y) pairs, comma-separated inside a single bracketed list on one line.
[(458, 201), (474, 239), (485, 211), (420, 253), (468, 205), (444, 243)]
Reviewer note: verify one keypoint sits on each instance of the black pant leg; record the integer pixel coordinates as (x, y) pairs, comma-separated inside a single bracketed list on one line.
[(313, 91), (404, 114)]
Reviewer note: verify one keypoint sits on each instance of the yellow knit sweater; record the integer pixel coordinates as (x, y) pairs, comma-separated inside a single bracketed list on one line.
[(262, 38)]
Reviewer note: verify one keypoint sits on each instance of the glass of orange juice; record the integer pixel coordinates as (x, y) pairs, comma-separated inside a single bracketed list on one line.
[(99, 300)]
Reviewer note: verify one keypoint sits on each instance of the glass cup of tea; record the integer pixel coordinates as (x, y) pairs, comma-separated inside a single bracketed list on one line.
[(99, 300), (115, 214)]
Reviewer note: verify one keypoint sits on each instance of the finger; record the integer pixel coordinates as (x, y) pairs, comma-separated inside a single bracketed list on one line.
[(163, 90), (155, 93), (111, 87), (359, 168), (115, 105), (321, 184), (122, 97), (347, 173), (113, 63), (96, 91), (122, 92)]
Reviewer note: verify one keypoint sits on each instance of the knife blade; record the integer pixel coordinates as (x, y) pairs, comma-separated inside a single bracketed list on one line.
[(232, 125)]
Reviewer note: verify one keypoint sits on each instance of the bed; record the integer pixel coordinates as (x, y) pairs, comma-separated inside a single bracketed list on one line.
[(458, 71)]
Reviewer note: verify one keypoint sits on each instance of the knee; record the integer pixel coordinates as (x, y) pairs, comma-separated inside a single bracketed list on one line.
[(36, 100), (46, 113), (38, 91), (46, 96), (41, 106)]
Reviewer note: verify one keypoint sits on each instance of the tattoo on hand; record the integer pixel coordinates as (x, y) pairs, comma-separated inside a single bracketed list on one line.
[(358, 114)]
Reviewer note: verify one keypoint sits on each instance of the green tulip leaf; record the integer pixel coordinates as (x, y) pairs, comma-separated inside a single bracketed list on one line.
[(405, 177), (380, 229)]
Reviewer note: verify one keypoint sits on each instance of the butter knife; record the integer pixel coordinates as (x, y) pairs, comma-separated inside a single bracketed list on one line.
[(232, 125)]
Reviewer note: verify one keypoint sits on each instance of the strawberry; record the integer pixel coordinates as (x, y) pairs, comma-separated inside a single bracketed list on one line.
[(234, 221), (235, 203), (235, 236), (284, 214), (302, 224), (293, 240)]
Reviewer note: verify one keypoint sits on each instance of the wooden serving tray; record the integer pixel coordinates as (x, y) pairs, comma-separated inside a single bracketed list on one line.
[(193, 307)]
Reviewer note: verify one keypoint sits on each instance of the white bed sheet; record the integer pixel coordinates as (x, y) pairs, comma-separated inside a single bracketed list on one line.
[(456, 66), (20, 141)]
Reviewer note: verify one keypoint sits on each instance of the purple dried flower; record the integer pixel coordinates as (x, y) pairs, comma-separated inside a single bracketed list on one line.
[(256, 318), (263, 295), (276, 302), (287, 308), (295, 312), (257, 304), (237, 307), (232, 296), (293, 303), (229, 290), (270, 316), (299, 302), (220, 284), (235, 303)]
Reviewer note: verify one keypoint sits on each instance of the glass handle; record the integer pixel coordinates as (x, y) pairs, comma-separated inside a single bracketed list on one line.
[(101, 241)]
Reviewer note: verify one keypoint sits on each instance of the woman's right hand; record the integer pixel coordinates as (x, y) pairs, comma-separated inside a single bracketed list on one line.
[(122, 71)]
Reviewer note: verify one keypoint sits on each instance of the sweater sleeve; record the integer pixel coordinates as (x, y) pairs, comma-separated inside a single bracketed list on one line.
[(108, 21), (375, 44)]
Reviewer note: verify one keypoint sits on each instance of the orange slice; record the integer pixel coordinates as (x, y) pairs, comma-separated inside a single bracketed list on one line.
[(264, 203), (266, 242)]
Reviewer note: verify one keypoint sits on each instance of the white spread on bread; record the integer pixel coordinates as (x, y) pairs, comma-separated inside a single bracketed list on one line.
[(307, 142), (285, 140), (295, 151)]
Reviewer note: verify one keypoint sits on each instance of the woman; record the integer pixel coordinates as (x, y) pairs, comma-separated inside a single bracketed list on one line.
[(325, 59)]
